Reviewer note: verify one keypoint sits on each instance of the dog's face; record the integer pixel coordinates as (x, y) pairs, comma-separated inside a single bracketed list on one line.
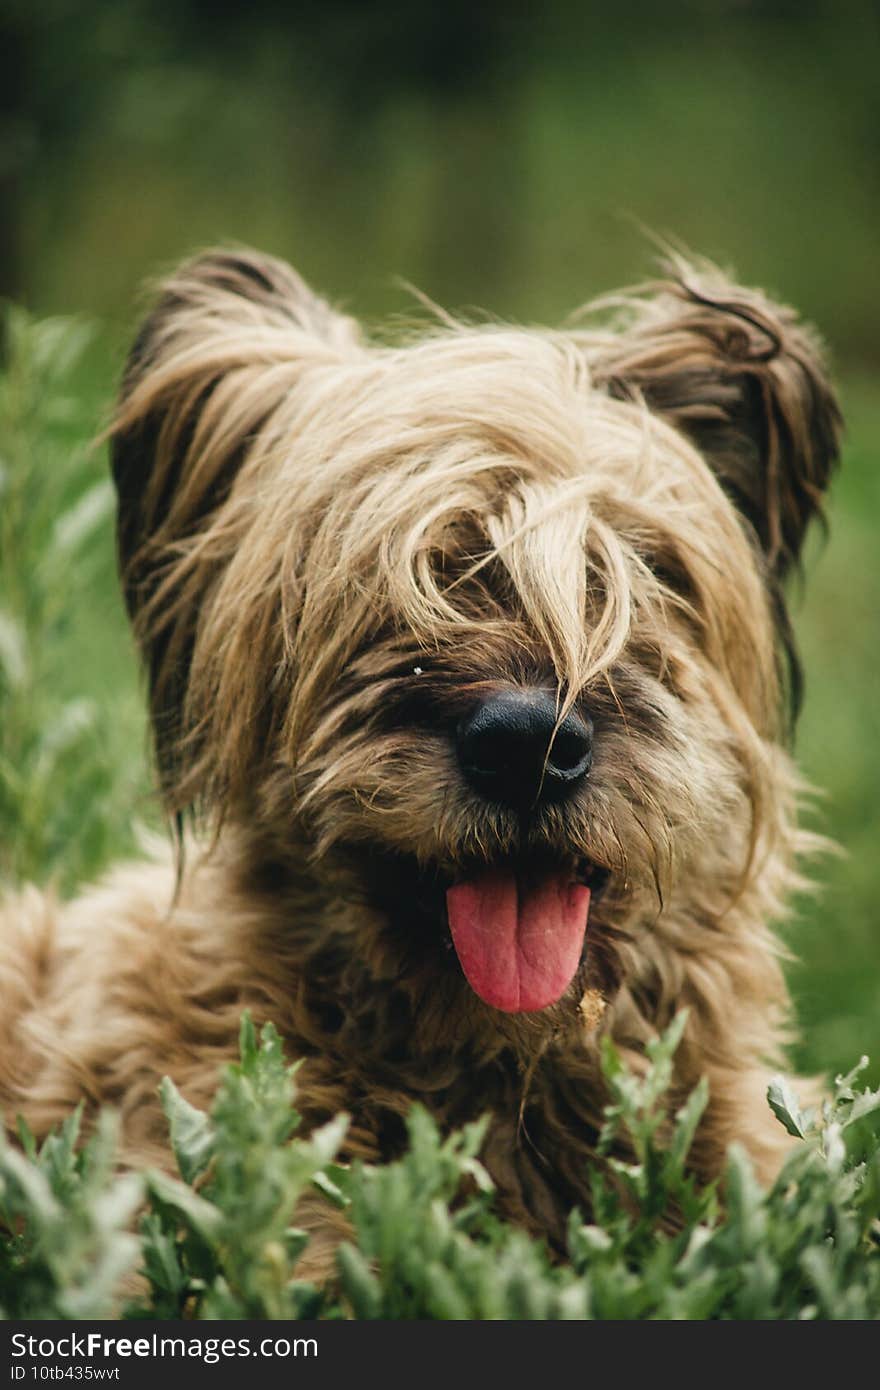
[(486, 627)]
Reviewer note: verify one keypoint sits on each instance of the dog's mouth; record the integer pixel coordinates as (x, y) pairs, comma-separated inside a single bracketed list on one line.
[(518, 928), (519, 935)]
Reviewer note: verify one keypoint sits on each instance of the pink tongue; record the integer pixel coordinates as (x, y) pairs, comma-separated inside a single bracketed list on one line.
[(519, 944)]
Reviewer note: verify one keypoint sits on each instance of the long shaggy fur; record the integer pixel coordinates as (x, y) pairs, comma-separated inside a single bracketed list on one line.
[(333, 550)]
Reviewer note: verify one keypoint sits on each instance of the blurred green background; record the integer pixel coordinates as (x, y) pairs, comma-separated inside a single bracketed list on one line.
[(502, 155)]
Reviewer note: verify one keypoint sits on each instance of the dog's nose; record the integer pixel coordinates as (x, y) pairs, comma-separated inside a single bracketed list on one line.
[(508, 752)]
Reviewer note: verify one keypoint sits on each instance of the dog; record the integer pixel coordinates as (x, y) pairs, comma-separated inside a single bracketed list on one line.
[(471, 684)]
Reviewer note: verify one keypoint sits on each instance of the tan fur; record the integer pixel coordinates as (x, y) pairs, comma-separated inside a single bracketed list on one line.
[(330, 551)]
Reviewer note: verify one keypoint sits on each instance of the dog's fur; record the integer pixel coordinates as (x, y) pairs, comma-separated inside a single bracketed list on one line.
[(331, 551)]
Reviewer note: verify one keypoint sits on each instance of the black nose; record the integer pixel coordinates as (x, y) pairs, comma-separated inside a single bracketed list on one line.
[(506, 753)]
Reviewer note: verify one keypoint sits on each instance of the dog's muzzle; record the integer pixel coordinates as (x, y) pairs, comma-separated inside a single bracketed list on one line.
[(508, 752)]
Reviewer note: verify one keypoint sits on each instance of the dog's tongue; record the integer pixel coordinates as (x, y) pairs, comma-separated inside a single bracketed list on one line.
[(519, 943)]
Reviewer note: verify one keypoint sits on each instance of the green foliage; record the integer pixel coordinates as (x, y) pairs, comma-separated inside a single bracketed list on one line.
[(221, 1240), (804, 1249), (69, 1218), (64, 780)]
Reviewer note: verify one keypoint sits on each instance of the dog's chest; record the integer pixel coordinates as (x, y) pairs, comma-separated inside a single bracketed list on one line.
[(540, 1142)]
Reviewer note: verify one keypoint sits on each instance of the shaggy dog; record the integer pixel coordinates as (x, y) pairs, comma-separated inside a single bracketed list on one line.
[(469, 661)]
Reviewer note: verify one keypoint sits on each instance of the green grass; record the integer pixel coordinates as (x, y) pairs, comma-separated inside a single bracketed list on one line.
[(836, 936), (71, 751)]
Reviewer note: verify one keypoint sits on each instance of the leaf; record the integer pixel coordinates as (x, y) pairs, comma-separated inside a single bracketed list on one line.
[(25, 1137), (835, 1148), (843, 1084), (573, 1303), (192, 1134), (686, 1121), (359, 1282), (200, 1215), (785, 1106), (865, 1104), (594, 1240), (295, 1242), (326, 1140), (161, 1261), (325, 1183), (665, 1047), (57, 1157), (247, 1044), (446, 1301), (30, 1188), (116, 1206)]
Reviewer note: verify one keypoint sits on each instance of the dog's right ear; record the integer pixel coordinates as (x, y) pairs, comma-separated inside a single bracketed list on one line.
[(229, 339), (746, 382)]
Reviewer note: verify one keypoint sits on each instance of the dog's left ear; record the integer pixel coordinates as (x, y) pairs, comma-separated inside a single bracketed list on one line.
[(747, 384)]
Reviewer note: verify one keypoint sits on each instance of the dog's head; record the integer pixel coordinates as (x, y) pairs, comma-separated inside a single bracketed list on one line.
[(487, 625)]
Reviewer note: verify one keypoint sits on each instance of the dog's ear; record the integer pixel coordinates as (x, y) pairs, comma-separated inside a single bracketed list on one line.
[(746, 382), (229, 339)]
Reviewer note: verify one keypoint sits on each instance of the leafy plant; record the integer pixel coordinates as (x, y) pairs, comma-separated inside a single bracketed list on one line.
[(68, 1219), (221, 1240)]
